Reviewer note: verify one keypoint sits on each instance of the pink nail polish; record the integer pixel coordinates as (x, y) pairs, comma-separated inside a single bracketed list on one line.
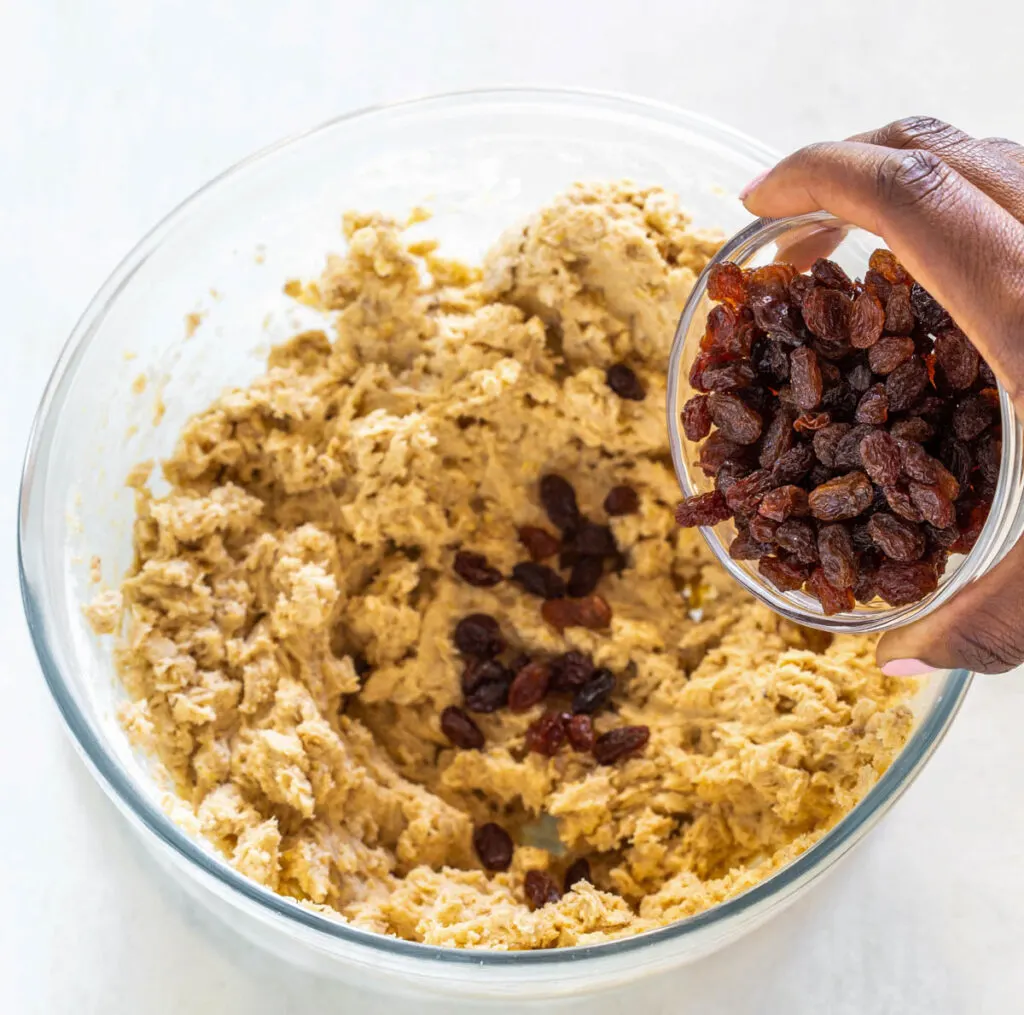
[(753, 185), (906, 668)]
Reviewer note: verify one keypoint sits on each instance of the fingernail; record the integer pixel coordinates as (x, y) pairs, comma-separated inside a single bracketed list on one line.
[(906, 668), (753, 185)]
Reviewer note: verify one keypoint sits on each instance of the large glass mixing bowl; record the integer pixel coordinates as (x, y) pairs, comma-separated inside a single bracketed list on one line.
[(130, 375)]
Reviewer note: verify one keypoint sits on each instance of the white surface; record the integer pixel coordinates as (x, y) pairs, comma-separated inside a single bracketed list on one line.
[(113, 112)]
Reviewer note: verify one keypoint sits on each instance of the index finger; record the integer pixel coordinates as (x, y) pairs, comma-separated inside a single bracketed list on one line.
[(955, 240)]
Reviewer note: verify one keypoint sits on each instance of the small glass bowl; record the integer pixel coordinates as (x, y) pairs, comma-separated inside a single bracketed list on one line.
[(800, 239)]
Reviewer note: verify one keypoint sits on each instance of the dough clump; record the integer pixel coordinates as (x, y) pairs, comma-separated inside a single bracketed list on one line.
[(285, 635)]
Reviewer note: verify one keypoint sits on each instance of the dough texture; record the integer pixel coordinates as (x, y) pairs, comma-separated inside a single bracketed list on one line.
[(285, 634)]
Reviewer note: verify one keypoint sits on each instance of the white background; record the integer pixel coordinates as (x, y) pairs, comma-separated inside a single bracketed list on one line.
[(111, 112)]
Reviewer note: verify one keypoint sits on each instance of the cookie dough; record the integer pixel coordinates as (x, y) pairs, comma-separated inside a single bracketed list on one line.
[(285, 633)]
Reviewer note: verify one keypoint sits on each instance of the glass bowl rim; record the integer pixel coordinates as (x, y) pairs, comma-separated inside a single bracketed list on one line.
[(809, 864)]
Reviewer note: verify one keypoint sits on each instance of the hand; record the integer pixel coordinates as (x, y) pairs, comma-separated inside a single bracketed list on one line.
[(951, 207)]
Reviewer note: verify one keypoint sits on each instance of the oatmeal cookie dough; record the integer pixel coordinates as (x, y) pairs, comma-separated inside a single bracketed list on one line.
[(285, 636)]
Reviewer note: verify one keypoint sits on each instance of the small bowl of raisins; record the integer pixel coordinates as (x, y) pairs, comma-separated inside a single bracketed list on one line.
[(848, 455)]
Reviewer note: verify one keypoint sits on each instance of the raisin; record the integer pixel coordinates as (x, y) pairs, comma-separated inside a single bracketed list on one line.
[(896, 538), (867, 319), (622, 500), (729, 377), (539, 580), (843, 497), (847, 450), (745, 547), (930, 408), (540, 889), (879, 287), (873, 406), (840, 400), (785, 575), (972, 415), (546, 734), (890, 352), (778, 438), (905, 384), (585, 575), (956, 457), (770, 361), (490, 695), (475, 569), (941, 539), (624, 382), (577, 871), (479, 635), (595, 693), (913, 429), (899, 317), (809, 422), (559, 500), (721, 324), (701, 363), (819, 474), (934, 505), (746, 493), (927, 309), (957, 359), (762, 529), (827, 315), (529, 686), (494, 846), (593, 540), (716, 451), (799, 540), (900, 583), (579, 731), (880, 456), (826, 441), (793, 465), (460, 729), (482, 671), (769, 282), (885, 263), (864, 589), (830, 275), (784, 502), (988, 456), (917, 463), (704, 509), (778, 318), (734, 419), (799, 287), (971, 518), (805, 377), (898, 499), (621, 742), (570, 671), (830, 373), (538, 543), (726, 282), (860, 377), (985, 375), (835, 551), (728, 474), (833, 600), (591, 612)]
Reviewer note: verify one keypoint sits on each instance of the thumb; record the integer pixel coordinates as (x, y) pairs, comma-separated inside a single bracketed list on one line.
[(981, 629)]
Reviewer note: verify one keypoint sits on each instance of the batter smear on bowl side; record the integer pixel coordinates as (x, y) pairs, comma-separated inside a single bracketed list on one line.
[(624, 740)]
